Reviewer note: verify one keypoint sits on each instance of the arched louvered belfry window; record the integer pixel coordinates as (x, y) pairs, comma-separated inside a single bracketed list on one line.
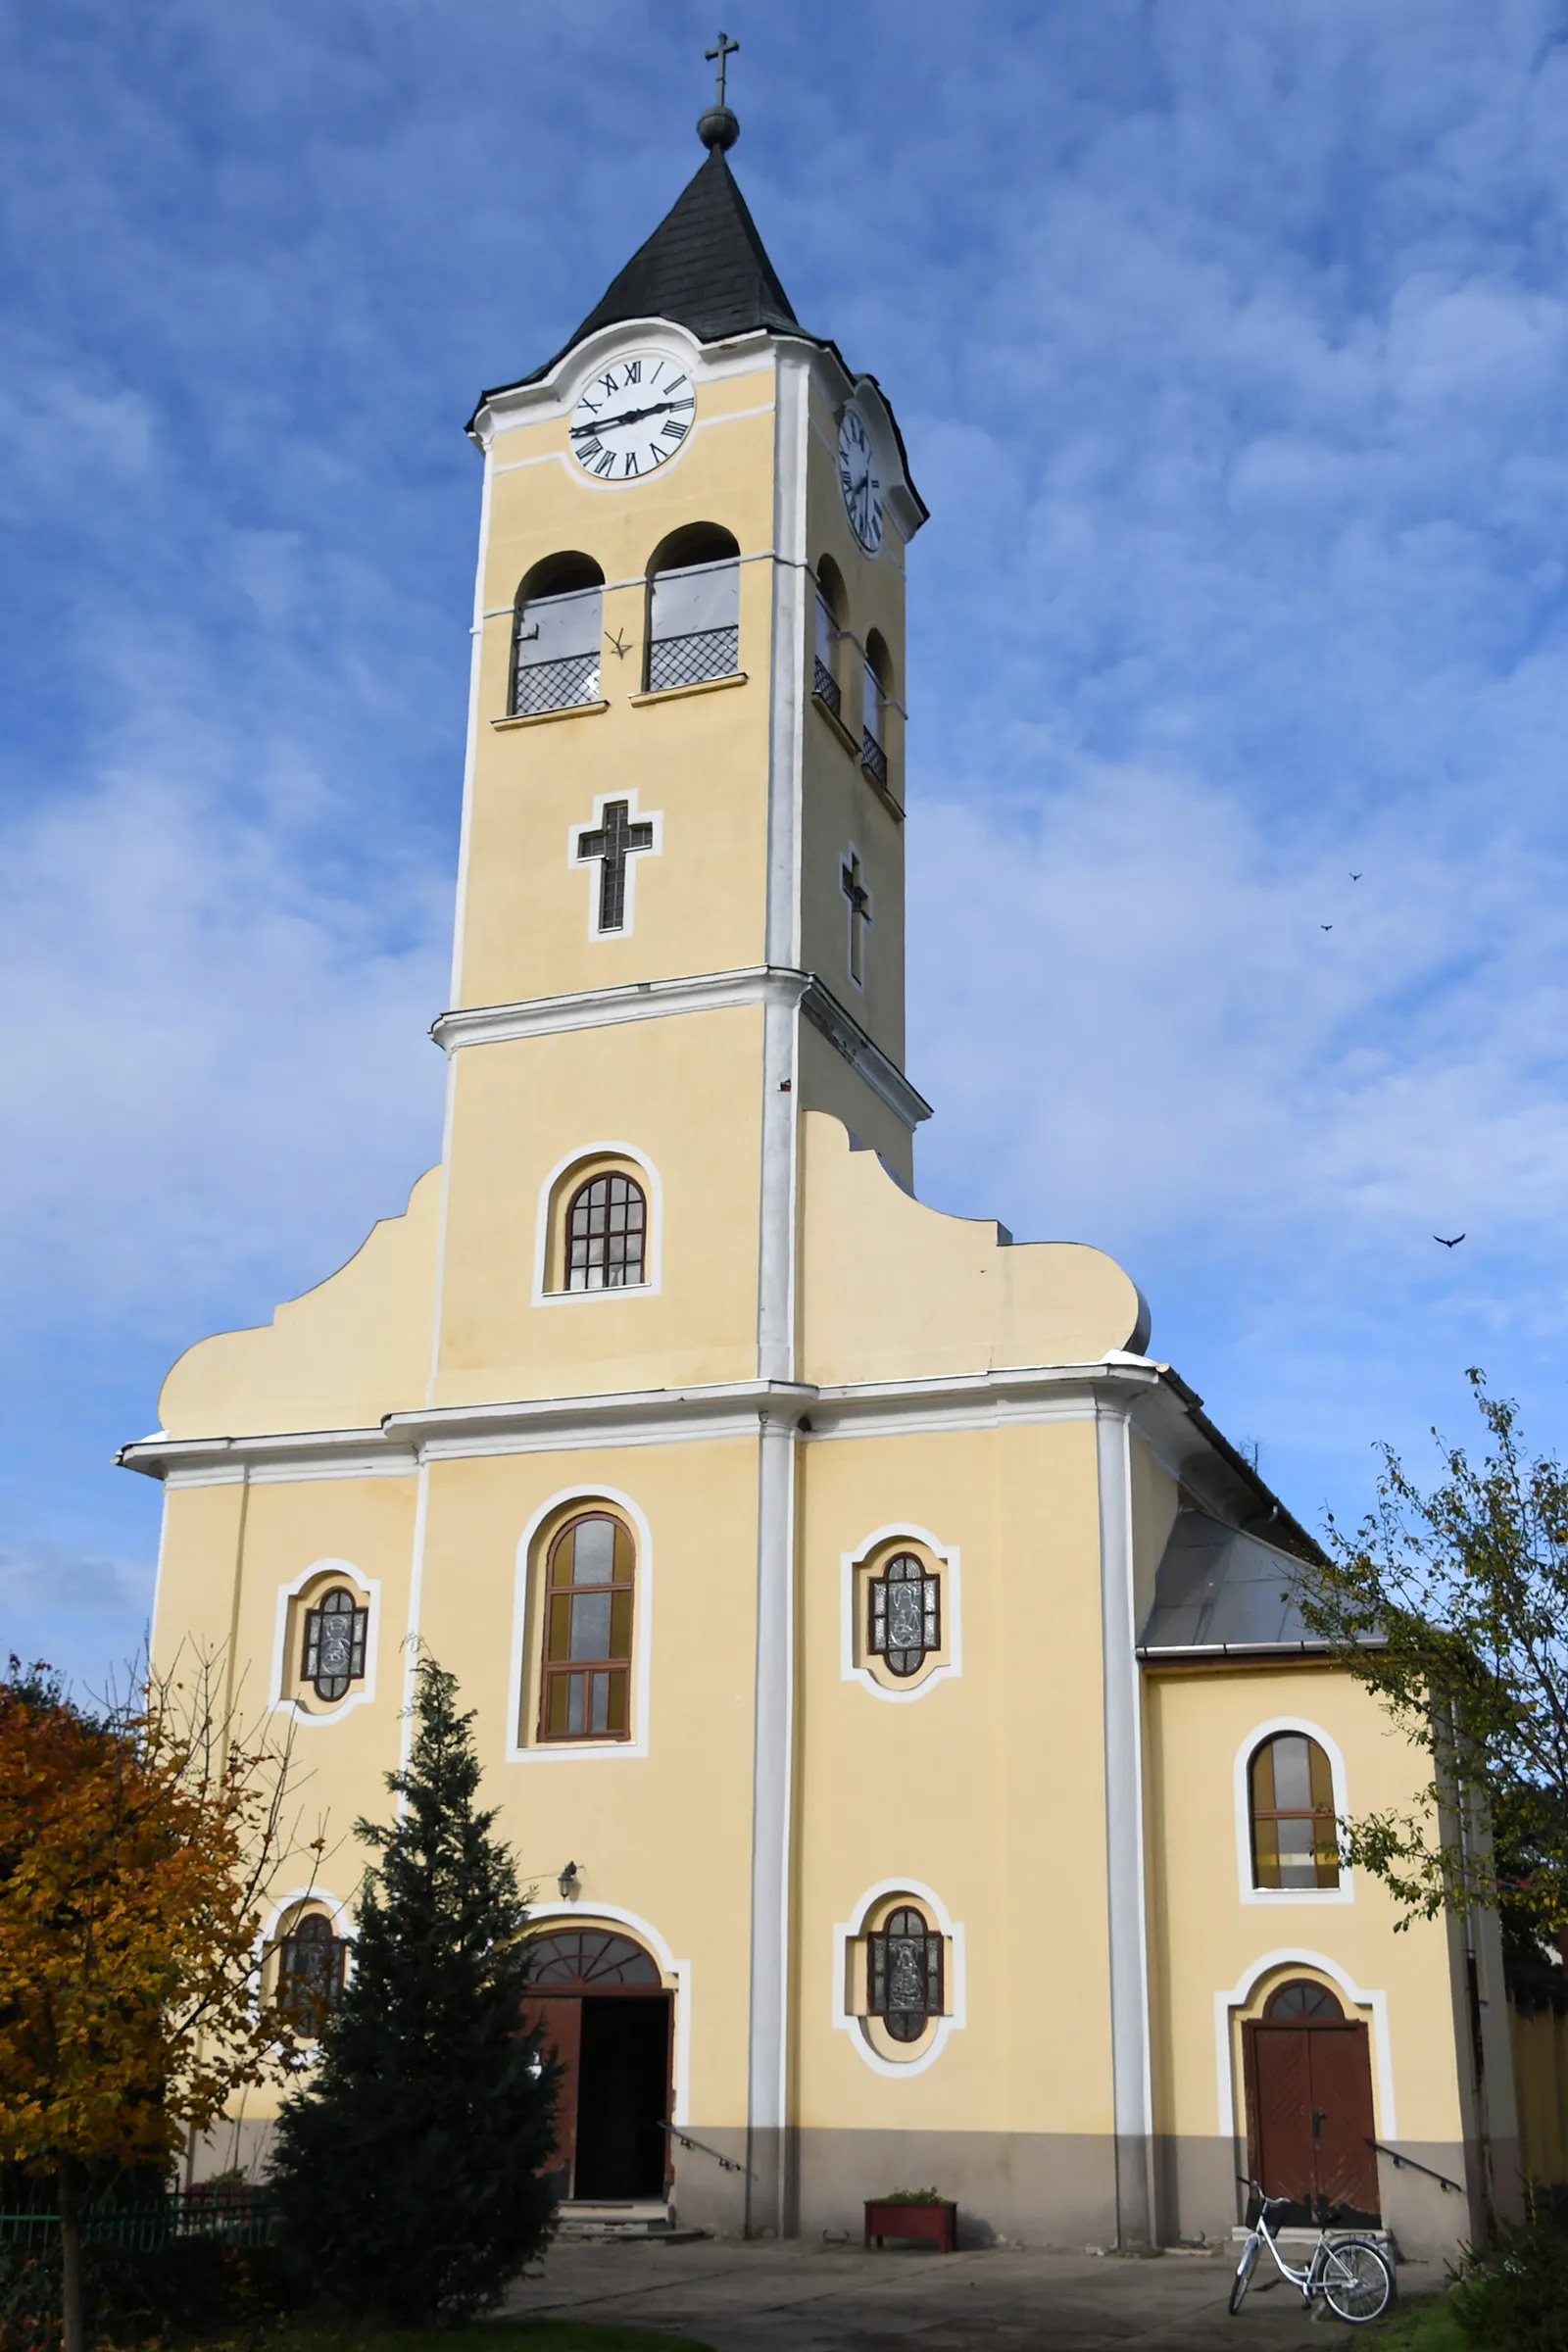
[(557, 642), (904, 1970), (607, 1234), (1293, 1832), (590, 1589), (694, 608), (311, 1962)]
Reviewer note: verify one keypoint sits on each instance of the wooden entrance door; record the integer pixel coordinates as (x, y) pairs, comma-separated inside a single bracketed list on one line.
[(604, 2014), (1309, 2107)]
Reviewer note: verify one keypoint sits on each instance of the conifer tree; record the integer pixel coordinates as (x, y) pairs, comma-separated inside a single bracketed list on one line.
[(409, 2167)]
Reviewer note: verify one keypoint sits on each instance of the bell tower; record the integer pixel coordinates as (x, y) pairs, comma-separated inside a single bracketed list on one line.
[(680, 902)]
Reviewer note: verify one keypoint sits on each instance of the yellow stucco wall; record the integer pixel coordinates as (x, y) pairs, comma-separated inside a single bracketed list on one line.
[(341, 1355), (1211, 1939), (976, 1303)]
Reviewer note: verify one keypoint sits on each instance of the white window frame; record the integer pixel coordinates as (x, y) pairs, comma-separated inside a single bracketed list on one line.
[(583, 1155), (587, 1751), (850, 1565), (1269, 1896), (955, 1986), (358, 1693)]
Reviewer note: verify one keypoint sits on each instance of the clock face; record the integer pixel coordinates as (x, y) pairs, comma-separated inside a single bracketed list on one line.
[(633, 417), (857, 479)]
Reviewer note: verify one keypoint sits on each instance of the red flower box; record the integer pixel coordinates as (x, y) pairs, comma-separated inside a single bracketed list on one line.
[(932, 2223)]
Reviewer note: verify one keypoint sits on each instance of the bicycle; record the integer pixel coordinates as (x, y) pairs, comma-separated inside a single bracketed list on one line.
[(1352, 2274)]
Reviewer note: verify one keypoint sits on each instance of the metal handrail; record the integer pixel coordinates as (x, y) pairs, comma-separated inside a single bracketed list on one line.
[(1414, 2165), (825, 687), (685, 2140)]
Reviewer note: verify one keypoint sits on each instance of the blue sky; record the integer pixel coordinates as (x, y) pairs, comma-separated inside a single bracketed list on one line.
[(1231, 349)]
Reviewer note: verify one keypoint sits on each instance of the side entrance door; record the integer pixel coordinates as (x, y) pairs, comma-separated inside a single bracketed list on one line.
[(1309, 2107), (606, 2016)]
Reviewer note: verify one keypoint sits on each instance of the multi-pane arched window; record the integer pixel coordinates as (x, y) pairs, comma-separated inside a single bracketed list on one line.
[(904, 1609), (829, 621), (591, 1959), (607, 1234), (310, 1963), (590, 1583), (903, 1969), (1291, 1798), (1304, 2003), (874, 711), (557, 642), (333, 1648), (694, 608)]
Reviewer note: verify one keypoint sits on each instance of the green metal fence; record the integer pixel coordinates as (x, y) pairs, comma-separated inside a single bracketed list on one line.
[(235, 2216)]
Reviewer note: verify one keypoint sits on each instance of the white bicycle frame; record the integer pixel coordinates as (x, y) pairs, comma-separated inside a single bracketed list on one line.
[(1310, 2279)]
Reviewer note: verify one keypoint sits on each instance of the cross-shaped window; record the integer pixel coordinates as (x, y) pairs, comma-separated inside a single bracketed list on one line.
[(612, 841), (860, 899)]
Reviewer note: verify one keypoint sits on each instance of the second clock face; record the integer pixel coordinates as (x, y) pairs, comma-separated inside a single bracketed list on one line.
[(633, 416), (857, 479)]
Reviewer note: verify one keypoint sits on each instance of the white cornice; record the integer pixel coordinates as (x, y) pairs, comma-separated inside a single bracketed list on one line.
[(644, 1417), (701, 992)]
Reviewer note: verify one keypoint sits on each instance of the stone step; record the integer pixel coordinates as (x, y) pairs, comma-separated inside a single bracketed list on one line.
[(584, 2220)]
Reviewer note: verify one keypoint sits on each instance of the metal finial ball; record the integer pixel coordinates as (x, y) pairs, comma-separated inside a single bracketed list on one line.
[(717, 128)]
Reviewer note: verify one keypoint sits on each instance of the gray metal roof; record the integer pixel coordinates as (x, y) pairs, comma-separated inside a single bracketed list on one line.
[(1217, 1589)]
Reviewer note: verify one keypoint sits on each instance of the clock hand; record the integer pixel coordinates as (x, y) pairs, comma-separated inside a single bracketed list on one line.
[(605, 424)]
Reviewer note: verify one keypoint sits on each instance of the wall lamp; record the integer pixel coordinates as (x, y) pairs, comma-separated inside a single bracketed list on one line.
[(570, 1882)]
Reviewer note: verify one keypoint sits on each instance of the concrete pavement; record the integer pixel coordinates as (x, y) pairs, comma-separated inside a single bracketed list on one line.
[(768, 2297)]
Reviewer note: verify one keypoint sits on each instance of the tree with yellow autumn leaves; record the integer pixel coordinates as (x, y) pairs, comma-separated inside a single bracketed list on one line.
[(136, 1846)]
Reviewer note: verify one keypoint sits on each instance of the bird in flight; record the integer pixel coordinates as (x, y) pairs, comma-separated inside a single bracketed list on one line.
[(1358, 877), (1325, 926), (1447, 1244)]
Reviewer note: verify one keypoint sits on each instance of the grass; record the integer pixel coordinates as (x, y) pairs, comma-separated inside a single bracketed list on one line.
[(1427, 2325)]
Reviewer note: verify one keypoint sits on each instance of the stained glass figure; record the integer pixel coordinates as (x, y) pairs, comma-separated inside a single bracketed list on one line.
[(588, 1604), (310, 1972), (1295, 1835), (905, 1613), (905, 1960), (607, 1228), (335, 1643)]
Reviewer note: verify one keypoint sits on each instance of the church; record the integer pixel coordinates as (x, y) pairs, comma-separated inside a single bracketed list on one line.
[(886, 1672)]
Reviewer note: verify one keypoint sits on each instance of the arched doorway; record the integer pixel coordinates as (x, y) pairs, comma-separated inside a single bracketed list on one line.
[(602, 2005), (1309, 2124)]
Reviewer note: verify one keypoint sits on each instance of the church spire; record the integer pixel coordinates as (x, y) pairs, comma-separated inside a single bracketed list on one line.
[(705, 266)]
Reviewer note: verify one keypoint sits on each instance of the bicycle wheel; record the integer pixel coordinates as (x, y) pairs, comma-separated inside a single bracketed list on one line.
[(1358, 2280), (1243, 2275)]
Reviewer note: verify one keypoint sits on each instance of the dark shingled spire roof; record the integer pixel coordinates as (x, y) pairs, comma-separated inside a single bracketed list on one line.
[(704, 267)]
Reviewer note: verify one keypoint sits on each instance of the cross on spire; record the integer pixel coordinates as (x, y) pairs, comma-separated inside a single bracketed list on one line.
[(722, 55), (612, 841), (860, 899)]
